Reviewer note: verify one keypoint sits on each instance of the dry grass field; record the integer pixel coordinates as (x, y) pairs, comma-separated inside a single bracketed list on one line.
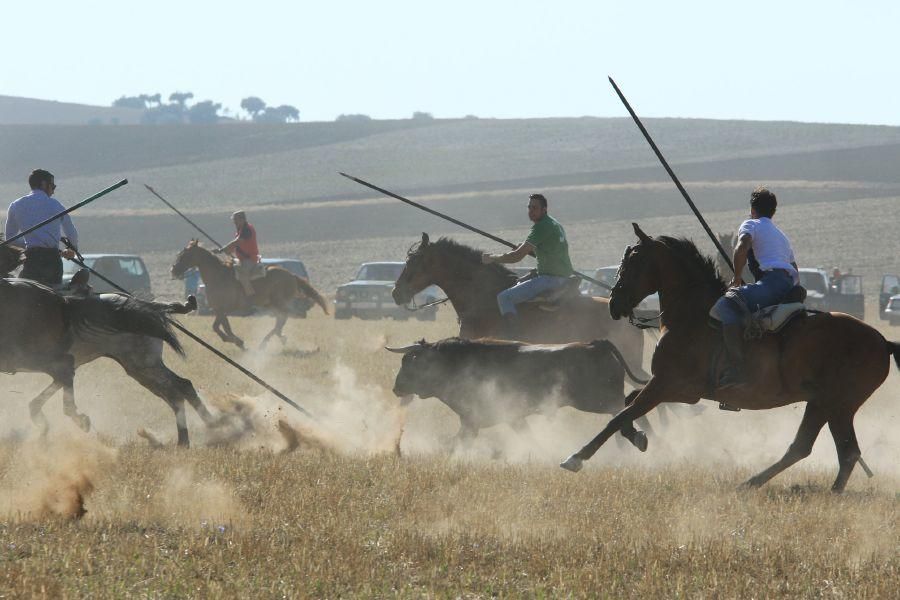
[(372, 501)]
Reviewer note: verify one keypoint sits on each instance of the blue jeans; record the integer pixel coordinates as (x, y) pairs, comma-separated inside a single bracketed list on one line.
[(768, 291), (526, 290)]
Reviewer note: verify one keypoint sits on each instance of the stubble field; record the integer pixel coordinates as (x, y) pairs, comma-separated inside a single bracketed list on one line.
[(370, 500)]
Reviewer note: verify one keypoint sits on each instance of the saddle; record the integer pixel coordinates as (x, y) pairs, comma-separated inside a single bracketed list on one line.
[(258, 272), (770, 319), (551, 300)]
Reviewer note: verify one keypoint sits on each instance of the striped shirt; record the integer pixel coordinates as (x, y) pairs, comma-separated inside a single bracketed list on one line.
[(30, 210)]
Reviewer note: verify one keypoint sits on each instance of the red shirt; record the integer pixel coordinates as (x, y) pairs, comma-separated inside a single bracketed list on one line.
[(246, 248)]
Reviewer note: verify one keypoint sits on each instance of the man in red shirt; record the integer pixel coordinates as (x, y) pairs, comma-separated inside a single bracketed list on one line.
[(245, 249)]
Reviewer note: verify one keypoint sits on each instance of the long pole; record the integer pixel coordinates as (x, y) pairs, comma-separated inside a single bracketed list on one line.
[(671, 173), (456, 222), (73, 208), (182, 215), (203, 343)]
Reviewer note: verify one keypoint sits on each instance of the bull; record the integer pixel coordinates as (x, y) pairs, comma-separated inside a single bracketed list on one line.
[(487, 382)]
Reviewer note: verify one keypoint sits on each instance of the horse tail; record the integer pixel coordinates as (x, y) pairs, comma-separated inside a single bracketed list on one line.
[(608, 345), (894, 348), (304, 288), (112, 313)]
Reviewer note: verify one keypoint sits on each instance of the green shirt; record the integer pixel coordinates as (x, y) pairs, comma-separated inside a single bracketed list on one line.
[(551, 248)]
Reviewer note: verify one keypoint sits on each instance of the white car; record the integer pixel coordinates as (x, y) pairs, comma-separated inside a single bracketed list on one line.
[(369, 295), (892, 311), (649, 306)]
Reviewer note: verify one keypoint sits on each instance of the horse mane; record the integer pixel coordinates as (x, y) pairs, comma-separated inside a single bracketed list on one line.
[(700, 266), (464, 253)]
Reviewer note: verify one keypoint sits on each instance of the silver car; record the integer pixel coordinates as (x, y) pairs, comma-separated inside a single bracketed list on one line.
[(368, 296)]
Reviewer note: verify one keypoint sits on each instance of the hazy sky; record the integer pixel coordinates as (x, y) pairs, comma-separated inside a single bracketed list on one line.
[(826, 60)]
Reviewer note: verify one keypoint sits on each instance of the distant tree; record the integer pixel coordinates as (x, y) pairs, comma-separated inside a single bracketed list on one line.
[(278, 114), (470, 117), (130, 102), (180, 98), (422, 116), (204, 112), (355, 118), (164, 114), (154, 99), (253, 105)]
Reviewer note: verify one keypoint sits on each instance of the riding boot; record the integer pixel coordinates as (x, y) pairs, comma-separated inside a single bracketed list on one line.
[(733, 336), (509, 328)]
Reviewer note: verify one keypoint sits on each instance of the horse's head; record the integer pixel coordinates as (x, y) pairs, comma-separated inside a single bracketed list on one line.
[(418, 273), (638, 275), (186, 259), (10, 258)]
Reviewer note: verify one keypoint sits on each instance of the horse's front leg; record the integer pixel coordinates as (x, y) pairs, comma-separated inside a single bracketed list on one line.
[(649, 398), (229, 334), (37, 404)]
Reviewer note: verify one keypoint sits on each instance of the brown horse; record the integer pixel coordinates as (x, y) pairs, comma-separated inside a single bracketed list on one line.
[(472, 288), (831, 361), (225, 294)]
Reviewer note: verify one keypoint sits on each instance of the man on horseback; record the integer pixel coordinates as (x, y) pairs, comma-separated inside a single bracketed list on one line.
[(43, 258), (775, 268), (245, 250), (547, 240)]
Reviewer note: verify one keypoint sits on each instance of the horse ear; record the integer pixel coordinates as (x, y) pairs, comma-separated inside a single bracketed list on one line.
[(641, 235), (424, 239)]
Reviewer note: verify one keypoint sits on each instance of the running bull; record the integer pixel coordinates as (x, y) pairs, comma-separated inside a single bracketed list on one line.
[(487, 382)]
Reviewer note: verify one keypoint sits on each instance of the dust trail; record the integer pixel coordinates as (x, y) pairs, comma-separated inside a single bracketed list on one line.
[(351, 417), (53, 478), (186, 499)]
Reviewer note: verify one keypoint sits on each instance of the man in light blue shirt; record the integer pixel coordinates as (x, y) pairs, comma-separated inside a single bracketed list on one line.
[(43, 259)]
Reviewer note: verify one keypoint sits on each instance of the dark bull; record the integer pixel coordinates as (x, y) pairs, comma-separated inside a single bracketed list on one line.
[(488, 382)]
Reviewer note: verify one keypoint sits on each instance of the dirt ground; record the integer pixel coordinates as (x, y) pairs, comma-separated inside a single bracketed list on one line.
[(370, 499)]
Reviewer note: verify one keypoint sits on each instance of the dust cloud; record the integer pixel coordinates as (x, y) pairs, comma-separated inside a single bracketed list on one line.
[(53, 478)]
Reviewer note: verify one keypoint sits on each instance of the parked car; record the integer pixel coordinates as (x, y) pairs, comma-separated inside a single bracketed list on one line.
[(126, 270), (842, 295), (299, 307), (368, 296), (890, 287), (892, 311)]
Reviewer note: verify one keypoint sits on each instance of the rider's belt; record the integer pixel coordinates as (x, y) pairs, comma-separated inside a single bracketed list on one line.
[(41, 251)]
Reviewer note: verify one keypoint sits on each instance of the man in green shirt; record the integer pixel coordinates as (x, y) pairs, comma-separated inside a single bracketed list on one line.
[(547, 240)]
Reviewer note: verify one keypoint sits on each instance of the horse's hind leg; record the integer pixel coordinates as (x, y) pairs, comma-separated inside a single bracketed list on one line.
[(37, 404), (280, 320), (847, 449), (813, 421)]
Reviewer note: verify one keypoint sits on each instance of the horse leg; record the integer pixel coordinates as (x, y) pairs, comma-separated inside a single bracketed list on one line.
[(646, 400), (280, 320), (847, 449), (231, 337), (217, 328), (637, 438), (37, 404), (810, 426)]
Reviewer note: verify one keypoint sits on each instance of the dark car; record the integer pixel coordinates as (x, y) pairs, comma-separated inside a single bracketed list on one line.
[(299, 307), (126, 270), (368, 296)]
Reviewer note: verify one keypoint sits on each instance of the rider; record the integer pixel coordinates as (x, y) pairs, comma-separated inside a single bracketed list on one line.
[(772, 250), (547, 240), (43, 262), (245, 249)]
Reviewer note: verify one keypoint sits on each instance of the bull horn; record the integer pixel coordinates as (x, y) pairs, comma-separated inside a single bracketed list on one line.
[(403, 350)]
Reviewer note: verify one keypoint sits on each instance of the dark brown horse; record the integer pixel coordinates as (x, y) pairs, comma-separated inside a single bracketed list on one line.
[(831, 361), (225, 294), (472, 288)]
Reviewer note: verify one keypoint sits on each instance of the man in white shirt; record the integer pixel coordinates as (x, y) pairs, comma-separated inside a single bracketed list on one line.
[(778, 275), (42, 252)]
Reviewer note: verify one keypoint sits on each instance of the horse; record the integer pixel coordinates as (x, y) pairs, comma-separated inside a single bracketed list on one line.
[(831, 361), (472, 289), (225, 295), (140, 355)]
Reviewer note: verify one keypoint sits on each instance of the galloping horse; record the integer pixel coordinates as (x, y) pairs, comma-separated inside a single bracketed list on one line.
[(138, 353), (472, 288), (831, 361), (225, 294)]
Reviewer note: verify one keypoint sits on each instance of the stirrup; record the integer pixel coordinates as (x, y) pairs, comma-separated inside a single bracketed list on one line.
[(723, 406)]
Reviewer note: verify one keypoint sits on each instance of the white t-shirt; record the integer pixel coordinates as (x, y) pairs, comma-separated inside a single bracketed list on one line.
[(770, 246)]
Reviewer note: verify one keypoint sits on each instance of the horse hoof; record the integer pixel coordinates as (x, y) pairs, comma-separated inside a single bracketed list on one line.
[(84, 422), (573, 463), (640, 441)]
